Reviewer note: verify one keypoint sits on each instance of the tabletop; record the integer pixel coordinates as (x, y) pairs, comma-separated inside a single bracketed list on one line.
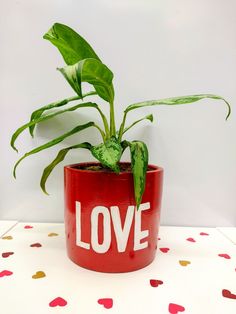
[(194, 273)]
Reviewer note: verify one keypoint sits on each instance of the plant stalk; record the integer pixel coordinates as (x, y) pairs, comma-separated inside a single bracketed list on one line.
[(101, 132), (122, 126), (104, 119), (112, 120)]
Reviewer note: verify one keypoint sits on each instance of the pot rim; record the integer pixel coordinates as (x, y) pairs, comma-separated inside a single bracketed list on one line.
[(90, 163)]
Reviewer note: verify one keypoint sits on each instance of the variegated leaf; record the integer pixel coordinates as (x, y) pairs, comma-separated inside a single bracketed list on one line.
[(53, 142), (59, 158), (108, 153), (93, 72), (71, 45), (139, 164), (177, 101)]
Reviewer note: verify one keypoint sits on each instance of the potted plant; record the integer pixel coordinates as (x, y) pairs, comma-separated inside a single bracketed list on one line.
[(112, 208)]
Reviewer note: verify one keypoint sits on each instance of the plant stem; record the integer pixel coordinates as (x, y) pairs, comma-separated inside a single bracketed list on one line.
[(122, 126), (101, 132), (104, 119), (112, 120)]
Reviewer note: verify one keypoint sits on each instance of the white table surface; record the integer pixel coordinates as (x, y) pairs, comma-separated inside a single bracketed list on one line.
[(6, 225), (192, 289)]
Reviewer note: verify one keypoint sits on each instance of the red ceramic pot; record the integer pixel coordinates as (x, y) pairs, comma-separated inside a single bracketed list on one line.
[(104, 230)]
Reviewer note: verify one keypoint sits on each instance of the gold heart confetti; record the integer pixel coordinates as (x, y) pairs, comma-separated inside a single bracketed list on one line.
[(52, 234), (7, 238), (184, 263), (39, 274)]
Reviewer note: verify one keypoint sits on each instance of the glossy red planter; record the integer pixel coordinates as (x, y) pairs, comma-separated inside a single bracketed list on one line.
[(104, 230)]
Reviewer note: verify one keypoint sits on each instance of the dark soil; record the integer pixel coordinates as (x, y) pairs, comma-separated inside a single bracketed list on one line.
[(97, 167)]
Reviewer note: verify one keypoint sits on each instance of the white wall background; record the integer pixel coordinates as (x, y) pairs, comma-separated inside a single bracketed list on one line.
[(156, 49)]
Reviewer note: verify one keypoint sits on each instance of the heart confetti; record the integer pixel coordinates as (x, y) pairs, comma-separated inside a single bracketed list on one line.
[(164, 249), (36, 245), (184, 263), (226, 256), (204, 234), (39, 274), (191, 240), (7, 254), (28, 227), (7, 238), (227, 294), (107, 302), (155, 283), (52, 234), (175, 308), (5, 273), (58, 302)]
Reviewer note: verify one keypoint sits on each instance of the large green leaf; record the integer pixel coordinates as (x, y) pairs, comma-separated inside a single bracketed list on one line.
[(71, 45), (108, 153), (93, 72), (53, 142), (139, 163), (59, 158), (177, 101), (47, 117), (38, 113)]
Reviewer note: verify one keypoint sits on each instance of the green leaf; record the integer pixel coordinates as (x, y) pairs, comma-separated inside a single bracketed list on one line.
[(139, 164), (148, 117), (47, 117), (108, 153), (177, 101), (59, 158), (93, 72), (53, 142), (71, 45), (38, 113)]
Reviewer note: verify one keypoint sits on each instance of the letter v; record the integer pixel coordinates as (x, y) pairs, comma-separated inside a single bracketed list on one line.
[(122, 235)]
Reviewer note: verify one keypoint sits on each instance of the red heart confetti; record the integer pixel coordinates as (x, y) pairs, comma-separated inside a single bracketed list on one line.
[(58, 302), (7, 254), (164, 249), (191, 240), (227, 294), (36, 245), (5, 273), (28, 227), (204, 234), (159, 239), (226, 256), (155, 283), (107, 302), (175, 308)]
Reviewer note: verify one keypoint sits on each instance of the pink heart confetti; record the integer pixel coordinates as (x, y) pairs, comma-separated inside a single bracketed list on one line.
[(164, 249), (28, 227), (106, 302), (204, 234), (226, 256), (5, 273), (175, 308), (191, 240), (58, 302), (155, 283)]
